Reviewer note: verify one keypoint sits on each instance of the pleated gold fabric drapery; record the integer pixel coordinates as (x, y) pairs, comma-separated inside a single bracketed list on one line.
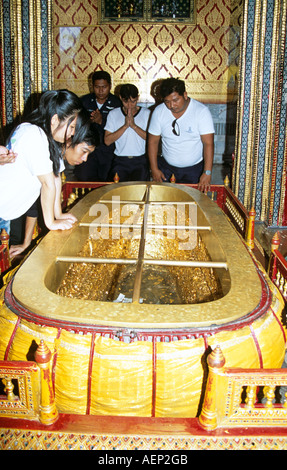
[(260, 153), (25, 55), (121, 375)]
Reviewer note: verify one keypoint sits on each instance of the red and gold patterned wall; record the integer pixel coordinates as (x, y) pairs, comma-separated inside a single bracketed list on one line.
[(205, 54)]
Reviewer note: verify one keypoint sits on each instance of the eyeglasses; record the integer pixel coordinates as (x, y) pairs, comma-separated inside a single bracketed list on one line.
[(175, 128)]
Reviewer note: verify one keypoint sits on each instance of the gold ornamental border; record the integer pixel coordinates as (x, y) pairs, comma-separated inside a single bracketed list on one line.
[(20, 439)]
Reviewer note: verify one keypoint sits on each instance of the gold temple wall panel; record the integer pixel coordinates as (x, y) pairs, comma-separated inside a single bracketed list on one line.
[(204, 54)]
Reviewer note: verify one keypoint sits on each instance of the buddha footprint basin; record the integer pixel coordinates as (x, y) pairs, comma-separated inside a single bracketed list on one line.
[(109, 241), (175, 266), (133, 297)]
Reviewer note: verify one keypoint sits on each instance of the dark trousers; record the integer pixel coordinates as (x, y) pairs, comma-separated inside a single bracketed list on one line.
[(187, 174), (131, 168)]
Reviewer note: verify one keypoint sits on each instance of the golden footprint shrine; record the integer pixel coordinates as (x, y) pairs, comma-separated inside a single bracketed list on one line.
[(132, 300)]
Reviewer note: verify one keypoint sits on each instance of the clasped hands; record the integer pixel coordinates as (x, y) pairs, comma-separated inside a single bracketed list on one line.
[(96, 117), (129, 119), (6, 156)]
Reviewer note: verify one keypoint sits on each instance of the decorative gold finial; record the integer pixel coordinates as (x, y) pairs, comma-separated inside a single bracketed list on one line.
[(208, 417), (226, 181), (63, 177), (43, 353), (4, 240), (249, 237), (71, 199), (173, 179), (275, 242), (216, 358), (4, 237), (48, 413)]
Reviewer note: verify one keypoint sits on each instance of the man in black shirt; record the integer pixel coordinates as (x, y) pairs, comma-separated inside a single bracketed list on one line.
[(99, 104)]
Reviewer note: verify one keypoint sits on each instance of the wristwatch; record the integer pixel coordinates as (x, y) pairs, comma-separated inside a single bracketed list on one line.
[(207, 172)]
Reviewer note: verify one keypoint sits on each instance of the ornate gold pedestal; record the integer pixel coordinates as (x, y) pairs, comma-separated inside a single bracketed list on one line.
[(144, 356)]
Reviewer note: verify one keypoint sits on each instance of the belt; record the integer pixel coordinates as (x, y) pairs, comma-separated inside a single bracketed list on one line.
[(129, 156)]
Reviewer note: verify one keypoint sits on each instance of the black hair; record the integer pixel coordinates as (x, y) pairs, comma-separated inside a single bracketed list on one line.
[(128, 90), (65, 104), (172, 85), (84, 131), (101, 75)]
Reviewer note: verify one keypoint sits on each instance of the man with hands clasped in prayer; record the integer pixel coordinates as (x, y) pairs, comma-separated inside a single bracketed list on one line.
[(127, 128)]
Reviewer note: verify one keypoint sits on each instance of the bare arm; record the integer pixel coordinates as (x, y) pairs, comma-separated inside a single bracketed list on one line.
[(48, 202), (208, 154), (58, 207), (48, 192), (153, 143), (141, 132), (111, 137)]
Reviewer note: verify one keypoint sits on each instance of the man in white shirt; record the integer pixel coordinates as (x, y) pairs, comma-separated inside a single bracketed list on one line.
[(186, 131), (127, 128)]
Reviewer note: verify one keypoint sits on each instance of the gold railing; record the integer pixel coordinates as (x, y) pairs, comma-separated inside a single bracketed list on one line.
[(242, 397), (234, 398), (28, 391)]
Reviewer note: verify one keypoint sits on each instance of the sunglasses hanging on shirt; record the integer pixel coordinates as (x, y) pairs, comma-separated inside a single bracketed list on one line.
[(175, 127)]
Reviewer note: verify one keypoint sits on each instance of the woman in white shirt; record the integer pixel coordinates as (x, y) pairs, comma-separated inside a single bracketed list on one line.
[(75, 152), (38, 143)]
